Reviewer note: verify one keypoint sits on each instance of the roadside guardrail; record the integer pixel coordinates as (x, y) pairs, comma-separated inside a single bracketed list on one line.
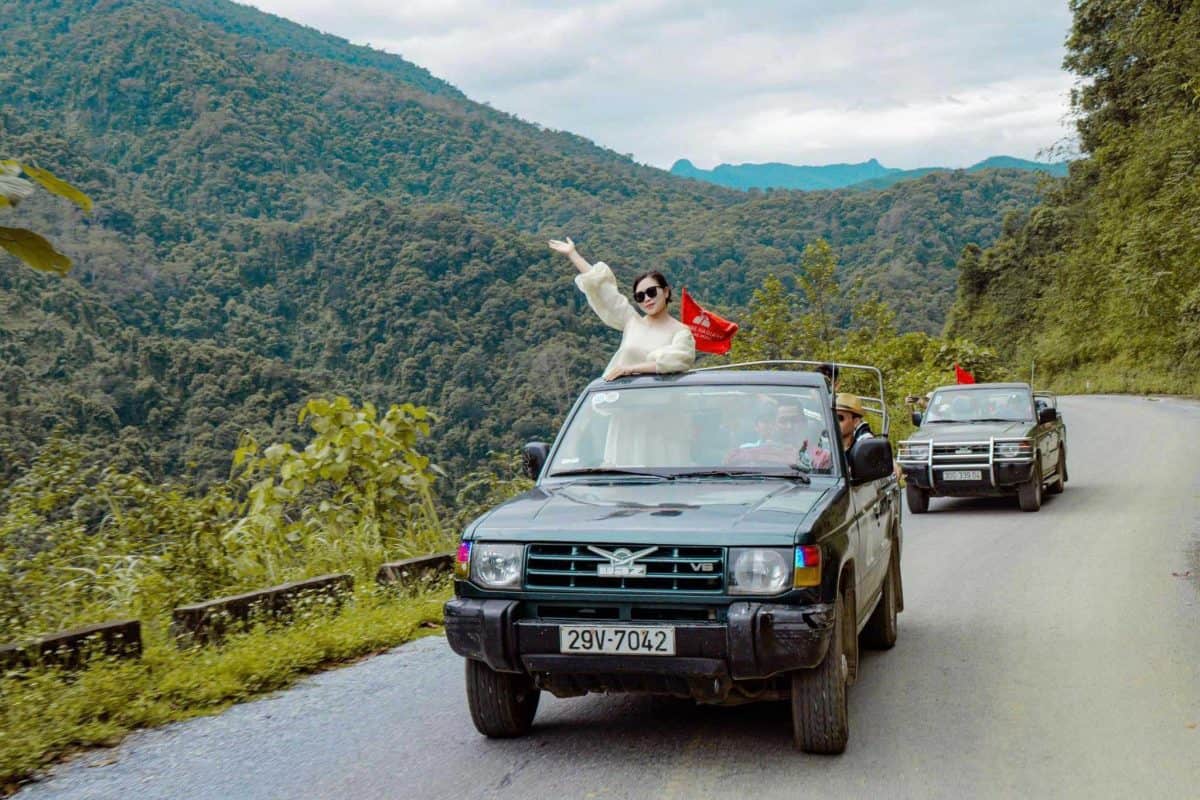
[(202, 623), (68, 649), (209, 621), (421, 568)]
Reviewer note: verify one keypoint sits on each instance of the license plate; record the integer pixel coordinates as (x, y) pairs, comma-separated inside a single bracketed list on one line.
[(962, 475), (657, 640)]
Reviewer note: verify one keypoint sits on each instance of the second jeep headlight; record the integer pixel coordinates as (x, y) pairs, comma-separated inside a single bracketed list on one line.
[(497, 566), (1019, 449), (759, 570)]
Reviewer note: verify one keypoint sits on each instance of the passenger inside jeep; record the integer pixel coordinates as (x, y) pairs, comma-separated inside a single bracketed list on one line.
[(789, 439)]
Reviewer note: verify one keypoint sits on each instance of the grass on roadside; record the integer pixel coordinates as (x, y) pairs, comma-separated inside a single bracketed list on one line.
[(46, 714)]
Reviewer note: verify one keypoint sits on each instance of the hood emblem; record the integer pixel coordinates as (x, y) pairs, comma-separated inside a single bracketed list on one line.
[(621, 562)]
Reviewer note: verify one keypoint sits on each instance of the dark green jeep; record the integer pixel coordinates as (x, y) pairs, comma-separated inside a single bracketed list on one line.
[(699, 535), (985, 439)]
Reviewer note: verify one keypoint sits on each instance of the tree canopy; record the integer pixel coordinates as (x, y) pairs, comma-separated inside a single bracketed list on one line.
[(281, 213)]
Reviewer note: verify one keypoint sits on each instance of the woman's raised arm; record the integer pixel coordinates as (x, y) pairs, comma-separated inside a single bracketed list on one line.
[(567, 248), (597, 283)]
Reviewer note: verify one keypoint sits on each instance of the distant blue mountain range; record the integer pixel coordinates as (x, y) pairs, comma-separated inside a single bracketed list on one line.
[(867, 175)]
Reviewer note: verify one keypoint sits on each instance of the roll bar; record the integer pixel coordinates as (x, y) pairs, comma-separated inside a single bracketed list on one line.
[(870, 403)]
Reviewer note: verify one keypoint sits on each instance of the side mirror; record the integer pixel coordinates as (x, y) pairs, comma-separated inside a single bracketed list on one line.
[(533, 458), (871, 459), (916, 418), (1047, 414)]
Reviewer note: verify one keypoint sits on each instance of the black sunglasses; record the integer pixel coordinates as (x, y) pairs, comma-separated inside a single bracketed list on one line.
[(652, 293)]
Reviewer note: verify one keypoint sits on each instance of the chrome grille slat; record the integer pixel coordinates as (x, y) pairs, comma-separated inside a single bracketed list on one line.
[(595, 559)]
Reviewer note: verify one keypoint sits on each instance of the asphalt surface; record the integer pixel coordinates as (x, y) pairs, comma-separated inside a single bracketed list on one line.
[(1054, 654)]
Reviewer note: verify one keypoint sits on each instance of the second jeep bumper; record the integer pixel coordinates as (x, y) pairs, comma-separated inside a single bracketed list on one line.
[(1003, 478)]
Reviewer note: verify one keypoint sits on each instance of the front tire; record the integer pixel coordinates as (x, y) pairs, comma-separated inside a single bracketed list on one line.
[(881, 629), (1029, 495), (820, 715), (1060, 478), (502, 703), (918, 498)]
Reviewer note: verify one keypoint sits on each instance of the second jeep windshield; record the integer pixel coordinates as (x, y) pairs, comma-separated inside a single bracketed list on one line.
[(681, 429), (971, 405)]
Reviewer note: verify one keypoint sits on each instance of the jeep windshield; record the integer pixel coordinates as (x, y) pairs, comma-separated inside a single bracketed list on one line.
[(698, 431), (980, 405)]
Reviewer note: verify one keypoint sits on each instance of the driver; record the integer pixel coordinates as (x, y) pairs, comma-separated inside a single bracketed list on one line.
[(796, 432), (962, 409)]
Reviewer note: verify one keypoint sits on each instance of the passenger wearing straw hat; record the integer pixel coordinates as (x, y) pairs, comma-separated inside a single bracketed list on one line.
[(850, 420)]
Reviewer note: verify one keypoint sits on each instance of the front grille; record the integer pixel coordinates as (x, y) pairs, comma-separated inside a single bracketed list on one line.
[(966, 449), (668, 569), (961, 453)]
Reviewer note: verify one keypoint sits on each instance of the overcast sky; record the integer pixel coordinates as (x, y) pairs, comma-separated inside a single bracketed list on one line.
[(942, 82)]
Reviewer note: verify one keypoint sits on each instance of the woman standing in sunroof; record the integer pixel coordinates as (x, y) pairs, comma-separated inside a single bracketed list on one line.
[(651, 342)]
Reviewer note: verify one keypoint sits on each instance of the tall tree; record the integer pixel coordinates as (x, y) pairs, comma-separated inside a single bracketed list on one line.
[(818, 282), (770, 329)]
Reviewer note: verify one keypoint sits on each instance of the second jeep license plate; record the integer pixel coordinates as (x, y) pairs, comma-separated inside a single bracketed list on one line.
[(657, 640), (962, 475)]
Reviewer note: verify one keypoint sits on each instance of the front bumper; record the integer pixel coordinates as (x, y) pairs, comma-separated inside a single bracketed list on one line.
[(999, 478), (757, 640)]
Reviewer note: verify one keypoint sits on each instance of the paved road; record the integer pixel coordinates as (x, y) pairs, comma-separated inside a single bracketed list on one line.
[(1046, 655)]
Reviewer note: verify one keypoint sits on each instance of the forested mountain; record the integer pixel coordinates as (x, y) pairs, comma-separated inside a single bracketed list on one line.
[(1100, 284), (867, 175), (280, 213), (783, 176)]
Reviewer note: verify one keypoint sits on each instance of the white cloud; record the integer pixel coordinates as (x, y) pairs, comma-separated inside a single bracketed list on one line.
[(801, 81)]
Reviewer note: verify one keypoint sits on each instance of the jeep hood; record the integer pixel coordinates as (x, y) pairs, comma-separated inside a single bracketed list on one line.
[(950, 432), (724, 512)]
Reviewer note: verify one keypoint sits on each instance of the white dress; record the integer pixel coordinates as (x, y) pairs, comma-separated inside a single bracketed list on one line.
[(671, 346)]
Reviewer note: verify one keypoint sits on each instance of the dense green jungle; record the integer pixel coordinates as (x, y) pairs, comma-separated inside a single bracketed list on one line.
[(285, 219), (279, 212)]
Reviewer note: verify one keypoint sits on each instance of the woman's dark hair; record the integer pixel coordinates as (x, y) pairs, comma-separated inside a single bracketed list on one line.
[(658, 277)]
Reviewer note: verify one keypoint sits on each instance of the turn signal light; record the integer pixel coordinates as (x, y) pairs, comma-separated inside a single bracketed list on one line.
[(808, 566), (462, 561)]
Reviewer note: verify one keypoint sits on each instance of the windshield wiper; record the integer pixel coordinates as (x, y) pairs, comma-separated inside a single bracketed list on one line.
[(795, 473), (997, 419), (565, 473)]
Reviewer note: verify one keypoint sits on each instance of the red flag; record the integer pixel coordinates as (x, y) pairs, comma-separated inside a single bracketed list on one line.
[(713, 334), (961, 375)]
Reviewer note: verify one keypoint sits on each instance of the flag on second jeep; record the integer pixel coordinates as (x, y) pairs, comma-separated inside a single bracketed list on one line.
[(713, 334), (962, 376)]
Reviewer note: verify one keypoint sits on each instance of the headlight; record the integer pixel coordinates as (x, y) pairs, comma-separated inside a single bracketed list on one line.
[(1014, 449), (759, 570), (914, 452), (497, 566)]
